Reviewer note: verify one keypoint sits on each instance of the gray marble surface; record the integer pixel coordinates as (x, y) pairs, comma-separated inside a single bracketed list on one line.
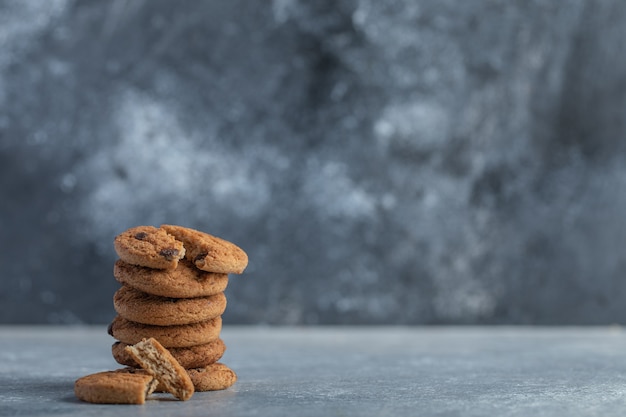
[(344, 371)]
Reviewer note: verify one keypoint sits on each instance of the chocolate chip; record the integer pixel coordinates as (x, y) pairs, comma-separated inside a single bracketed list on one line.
[(110, 329), (141, 235), (200, 257), (169, 253)]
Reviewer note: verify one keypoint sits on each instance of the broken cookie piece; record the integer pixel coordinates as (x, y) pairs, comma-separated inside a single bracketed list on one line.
[(158, 361), (123, 386), (150, 247), (209, 253)]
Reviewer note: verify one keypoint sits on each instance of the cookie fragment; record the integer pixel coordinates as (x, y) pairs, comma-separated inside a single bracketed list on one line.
[(124, 386), (150, 247), (209, 253), (157, 361)]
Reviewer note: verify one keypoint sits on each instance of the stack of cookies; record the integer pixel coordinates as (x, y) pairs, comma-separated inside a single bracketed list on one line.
[(173, 280)]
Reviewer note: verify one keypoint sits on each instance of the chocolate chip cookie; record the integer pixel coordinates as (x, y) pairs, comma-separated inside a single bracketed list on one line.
[(214, 377), (186, 281), (141, 307), (197, 356), (184, 335)]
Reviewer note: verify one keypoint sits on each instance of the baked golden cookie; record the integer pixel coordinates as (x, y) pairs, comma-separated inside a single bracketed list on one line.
[(190, 357), (141, 307), (159, 363), (150, 247), (214, 377), (124, 386), (209, 253), (186, 281), (183, 335)]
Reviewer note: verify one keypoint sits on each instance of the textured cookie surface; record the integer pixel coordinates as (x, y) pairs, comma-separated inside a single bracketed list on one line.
[(214, 377), (190, 357), (150, 247), (141, 307), (157, 361), (209, 253), (186, 281), (184, 335), (124, 386)]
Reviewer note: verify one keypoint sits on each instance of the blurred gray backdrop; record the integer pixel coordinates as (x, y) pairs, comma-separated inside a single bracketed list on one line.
[(396, 162)]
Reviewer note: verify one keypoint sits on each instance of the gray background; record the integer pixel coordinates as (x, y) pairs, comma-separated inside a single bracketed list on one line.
[(397, 162)]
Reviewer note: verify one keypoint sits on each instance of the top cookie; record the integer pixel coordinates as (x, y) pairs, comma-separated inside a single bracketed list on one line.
[(209, 253), (150, 247)]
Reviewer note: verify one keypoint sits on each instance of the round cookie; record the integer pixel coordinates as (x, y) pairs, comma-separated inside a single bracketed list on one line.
[(150, 247), (141, 307), (123, 386), (185, 281), (190, 357), (184, 335), (214, 377), (209, 253)]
